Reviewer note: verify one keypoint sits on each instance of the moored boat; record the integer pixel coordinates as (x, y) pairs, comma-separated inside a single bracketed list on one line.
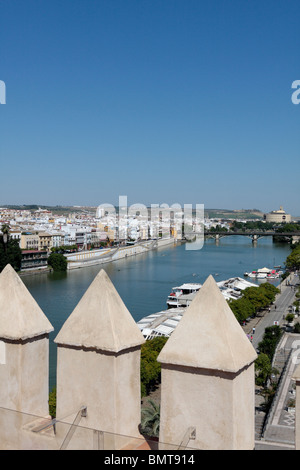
[(178, 293), (164, 322)]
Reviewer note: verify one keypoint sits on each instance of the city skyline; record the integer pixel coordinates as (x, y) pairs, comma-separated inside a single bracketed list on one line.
[(182, 102)]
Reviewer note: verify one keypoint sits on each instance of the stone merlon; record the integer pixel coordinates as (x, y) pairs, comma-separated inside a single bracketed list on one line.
[(100, 320), (209, 336), (21, 317)]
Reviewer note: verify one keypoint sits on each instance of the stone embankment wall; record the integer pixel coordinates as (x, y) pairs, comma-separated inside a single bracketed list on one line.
[(95, 257)]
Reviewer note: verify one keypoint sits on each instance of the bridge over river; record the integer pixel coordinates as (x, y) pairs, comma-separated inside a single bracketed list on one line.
[(254, 234)]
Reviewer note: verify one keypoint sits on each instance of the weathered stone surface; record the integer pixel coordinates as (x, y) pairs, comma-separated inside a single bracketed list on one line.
[(20, 315), (100, 320)]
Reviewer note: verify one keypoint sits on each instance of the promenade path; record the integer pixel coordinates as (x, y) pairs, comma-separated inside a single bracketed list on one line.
[(279, 432)]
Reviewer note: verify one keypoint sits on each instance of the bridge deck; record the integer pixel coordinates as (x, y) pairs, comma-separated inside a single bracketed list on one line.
[(255, 232)]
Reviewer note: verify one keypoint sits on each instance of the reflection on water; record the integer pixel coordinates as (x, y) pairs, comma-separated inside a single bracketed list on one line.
[(144, 281)]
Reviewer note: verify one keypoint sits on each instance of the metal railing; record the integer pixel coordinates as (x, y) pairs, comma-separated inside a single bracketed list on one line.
[(24, 431), (190, 434)]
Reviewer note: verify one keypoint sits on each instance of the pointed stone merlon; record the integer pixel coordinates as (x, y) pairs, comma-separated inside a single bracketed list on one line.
[(24, 348), (98, 361), (208, 377), (296, 377)]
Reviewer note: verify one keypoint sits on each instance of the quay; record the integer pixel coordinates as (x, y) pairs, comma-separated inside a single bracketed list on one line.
[(87, 258)]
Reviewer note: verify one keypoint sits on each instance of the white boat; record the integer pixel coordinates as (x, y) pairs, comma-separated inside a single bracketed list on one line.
[(183, 295), (264, 270), (253, 274), (180, 293), (273, 276), (264, 273), (261, 275), (233, 288), (164, 322)]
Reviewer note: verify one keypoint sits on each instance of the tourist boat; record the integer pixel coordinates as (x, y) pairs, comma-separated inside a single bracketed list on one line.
[(253, 274), (261, 275), (265, 273), (163, 323), (273, 276), (181, 294)]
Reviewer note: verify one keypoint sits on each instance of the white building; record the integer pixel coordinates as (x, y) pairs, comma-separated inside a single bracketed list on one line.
[(279, 216)]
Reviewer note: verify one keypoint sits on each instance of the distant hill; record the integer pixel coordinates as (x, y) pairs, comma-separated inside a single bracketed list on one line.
[(59, 210), (211, 213), (233, 213)]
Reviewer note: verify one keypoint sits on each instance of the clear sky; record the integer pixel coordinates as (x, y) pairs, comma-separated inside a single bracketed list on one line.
[(164, 101)]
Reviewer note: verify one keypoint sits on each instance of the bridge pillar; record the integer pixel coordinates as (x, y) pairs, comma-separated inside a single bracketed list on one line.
[(254, 239)]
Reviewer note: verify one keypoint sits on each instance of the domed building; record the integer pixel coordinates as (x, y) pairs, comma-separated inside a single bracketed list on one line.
[(278, 217)]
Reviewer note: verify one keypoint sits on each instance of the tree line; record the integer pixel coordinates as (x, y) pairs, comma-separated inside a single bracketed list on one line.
[(293, 260), (253, 300), (10, 251)]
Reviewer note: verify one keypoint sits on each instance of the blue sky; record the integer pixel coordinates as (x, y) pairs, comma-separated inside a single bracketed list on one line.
[(164, 101)]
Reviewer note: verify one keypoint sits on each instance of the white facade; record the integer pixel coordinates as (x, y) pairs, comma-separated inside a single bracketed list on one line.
[(279, 216)]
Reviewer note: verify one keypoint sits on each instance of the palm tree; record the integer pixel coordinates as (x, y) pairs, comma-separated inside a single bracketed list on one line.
[(151, 418), (5, 232)]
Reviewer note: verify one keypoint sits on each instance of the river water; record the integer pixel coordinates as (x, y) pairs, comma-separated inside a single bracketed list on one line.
[(144, 281)]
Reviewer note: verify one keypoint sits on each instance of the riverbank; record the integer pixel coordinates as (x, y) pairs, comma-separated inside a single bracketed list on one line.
[(143, 282), (88, 258), (32, 272), (97, 257)]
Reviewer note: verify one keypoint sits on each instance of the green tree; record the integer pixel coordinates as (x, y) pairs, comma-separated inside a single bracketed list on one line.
[(52, 403), (150, 368), (269, 290), (257, 297), (263, 369), (253, 300), (289, 317), (268, 393), (151, 418), (58, 262), (242, 308), (10, 251), (293, 260), (297, 328), (270, 340)]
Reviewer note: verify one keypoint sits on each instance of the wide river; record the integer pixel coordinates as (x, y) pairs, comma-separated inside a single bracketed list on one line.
[(144, 281)]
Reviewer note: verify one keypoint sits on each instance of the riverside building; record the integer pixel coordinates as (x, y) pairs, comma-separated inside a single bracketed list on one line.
[(279, 216)]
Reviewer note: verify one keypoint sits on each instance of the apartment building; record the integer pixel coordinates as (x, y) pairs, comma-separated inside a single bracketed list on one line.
[(39, 241), (45, 241), (29, 241), (15, 234)]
